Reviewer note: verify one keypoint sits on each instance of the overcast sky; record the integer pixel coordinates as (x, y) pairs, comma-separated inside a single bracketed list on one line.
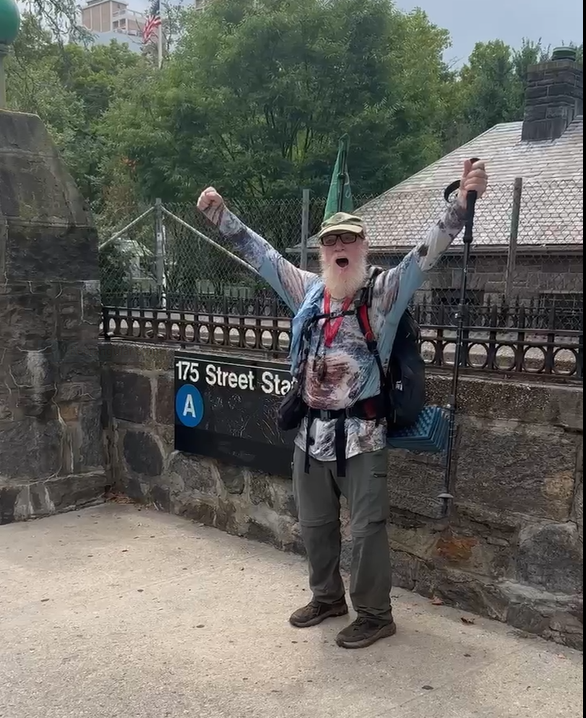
[(508, 20)]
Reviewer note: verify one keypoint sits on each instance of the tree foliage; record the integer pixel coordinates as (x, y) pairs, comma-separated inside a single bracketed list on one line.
[(254, 95)]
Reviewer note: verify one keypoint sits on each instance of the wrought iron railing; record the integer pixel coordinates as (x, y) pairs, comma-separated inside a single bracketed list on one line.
[(535, 347)]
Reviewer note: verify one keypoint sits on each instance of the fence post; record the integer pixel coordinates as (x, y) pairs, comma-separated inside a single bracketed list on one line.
[(514, 239), (304, 263), (159, 249)]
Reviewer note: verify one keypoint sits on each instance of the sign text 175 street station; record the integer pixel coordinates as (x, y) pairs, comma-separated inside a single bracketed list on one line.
[(225, 407)]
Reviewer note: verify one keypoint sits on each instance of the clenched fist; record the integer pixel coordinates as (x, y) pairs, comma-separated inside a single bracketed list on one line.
[(210, 201), (474, 178)]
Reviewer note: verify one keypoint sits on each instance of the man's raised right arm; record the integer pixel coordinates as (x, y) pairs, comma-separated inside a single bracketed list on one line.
[(290, 283)]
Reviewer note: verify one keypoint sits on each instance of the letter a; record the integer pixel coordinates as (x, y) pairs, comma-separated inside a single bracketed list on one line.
[(189, 409)]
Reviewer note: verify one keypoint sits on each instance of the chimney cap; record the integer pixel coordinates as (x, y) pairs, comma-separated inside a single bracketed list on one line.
[(565, 53)]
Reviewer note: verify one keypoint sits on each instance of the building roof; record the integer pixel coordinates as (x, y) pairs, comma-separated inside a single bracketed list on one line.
[(552, 206)]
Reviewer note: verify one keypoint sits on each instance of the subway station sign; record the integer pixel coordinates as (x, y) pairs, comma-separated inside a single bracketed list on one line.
[(225, 408)]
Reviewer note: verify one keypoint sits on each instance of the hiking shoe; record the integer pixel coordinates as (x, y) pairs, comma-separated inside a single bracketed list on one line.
[(364, 632), (316, 613)]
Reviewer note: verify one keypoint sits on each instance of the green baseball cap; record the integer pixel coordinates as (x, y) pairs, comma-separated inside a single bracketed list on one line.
[(342, 222)]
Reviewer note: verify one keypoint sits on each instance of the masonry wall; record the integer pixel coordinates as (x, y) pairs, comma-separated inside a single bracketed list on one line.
[(50, 393), (512, 550)]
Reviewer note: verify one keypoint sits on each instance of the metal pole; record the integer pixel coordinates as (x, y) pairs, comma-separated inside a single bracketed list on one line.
[(514, 239), (159, 250), (3, 54), (305, 230), (134, 222), (160, 58), (447, 496), (219, 247)]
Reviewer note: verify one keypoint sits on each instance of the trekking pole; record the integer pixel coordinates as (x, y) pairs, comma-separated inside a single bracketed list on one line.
[(472, 197)]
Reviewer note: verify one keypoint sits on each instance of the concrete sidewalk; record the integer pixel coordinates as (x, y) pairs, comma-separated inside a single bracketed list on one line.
[(121, 613)]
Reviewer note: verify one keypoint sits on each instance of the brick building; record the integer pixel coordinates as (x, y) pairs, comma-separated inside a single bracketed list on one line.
[(106, 16)]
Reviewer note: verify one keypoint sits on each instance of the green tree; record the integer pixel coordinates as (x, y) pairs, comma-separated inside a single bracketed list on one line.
[(257, 93), (70, 87), (489, 87)]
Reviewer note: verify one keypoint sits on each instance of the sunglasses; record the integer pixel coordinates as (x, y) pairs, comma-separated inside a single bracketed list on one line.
[(330, 240)]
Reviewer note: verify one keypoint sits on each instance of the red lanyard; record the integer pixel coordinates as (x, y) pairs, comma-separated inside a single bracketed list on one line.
[(332, 327)]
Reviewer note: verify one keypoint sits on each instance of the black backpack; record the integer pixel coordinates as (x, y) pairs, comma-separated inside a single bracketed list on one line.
[(403, 380)]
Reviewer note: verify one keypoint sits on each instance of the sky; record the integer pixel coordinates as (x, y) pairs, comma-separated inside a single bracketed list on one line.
[(508, 20), (483, 20)]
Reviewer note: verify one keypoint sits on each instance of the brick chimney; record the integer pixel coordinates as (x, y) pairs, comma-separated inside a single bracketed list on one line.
[(555, 96)]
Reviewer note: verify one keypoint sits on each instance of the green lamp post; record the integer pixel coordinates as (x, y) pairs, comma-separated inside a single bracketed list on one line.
[(9, 26)]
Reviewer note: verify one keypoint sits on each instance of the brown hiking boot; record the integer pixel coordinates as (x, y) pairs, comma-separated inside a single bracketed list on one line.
[(316, 613), (364, 632)]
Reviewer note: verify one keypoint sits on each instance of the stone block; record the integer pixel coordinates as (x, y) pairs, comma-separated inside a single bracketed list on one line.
[(465, 548), (551, 557), (80, 360), (528, 402), (578, 506), (457, 588), (415, 482), (198, 511), (90, 451), (552, 616), (233, 478), (262, 534), (142, 453), (79, 391), (75, 492), (138, 356), (192, 475), (161, 497), (473, 553), (284, 499), (226, 518), (8, 498), (50, 435), (26, 500), (261, 490), (516, 468), (60, 253), (165, 400), (30, 448), (131, 398)]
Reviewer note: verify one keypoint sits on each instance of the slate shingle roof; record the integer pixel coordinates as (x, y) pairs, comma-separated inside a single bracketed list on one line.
[(552, 208)]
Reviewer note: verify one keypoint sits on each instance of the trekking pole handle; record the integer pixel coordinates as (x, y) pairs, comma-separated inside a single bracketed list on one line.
[(470, 207), (471, 200)]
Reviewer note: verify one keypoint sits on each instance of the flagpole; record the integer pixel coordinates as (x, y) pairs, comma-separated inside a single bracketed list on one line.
[(161, 40)]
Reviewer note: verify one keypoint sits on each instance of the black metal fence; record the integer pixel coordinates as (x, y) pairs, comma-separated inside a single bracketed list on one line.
[(497, 344)]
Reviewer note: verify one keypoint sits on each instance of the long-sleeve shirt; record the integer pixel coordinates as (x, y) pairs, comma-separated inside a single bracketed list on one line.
[(350, 374)]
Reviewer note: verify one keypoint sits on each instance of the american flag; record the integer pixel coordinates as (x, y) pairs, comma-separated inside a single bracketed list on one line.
[(153, 22)]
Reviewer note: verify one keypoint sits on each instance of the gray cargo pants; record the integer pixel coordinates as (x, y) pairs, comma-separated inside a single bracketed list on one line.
[(318, 501)]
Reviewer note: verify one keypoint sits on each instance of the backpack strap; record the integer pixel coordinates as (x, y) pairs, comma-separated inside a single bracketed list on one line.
[(362, 313)]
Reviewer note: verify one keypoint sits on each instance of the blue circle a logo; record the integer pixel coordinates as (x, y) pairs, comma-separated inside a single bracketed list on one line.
[(189, 406)]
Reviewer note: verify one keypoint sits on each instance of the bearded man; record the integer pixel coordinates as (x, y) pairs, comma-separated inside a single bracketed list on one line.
[(339, 374)]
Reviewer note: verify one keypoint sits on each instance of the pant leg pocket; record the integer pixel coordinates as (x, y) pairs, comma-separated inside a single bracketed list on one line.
[(370, 503)]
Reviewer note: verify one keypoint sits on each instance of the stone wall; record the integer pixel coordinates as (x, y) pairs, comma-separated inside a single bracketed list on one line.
[(50, 394), (512, 550)]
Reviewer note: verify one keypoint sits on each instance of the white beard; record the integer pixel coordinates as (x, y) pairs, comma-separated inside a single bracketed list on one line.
[(342, 284)]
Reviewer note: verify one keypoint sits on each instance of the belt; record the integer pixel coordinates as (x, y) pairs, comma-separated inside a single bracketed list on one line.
[(366, 410)]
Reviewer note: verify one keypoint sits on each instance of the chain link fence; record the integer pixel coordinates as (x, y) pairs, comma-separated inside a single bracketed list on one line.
[(168, 276), (526, 268)]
